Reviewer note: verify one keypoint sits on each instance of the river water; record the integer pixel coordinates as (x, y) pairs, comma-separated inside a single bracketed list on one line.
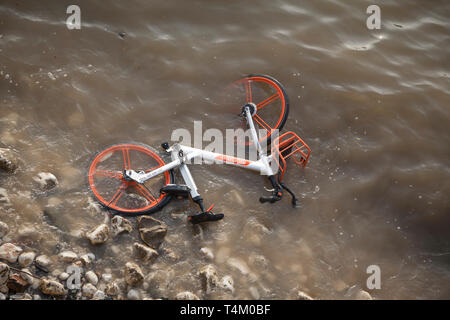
[(373, 105)]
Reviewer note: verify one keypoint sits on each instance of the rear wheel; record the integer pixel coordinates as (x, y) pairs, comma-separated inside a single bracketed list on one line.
[(109, 187)]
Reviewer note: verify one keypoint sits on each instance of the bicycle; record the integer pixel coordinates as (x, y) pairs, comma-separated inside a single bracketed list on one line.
[(125, 186)]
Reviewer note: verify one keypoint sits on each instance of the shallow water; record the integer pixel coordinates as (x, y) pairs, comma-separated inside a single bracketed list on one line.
[(371, 104)]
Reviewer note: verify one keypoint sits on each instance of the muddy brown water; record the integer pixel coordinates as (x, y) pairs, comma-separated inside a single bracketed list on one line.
[(372, 104)]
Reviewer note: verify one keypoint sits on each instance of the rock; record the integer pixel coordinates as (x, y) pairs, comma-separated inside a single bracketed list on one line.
[(119, 225), (254, 293), (186, 295), (99, 234), (36, 297), (133, 295), (147, 254), (4, 196), (88, 290), (363, 295), (2, 296), (63, 276), (26, 275), (99, 295), (52, 288), (133, 274), (112, 289), (239, 265), (8, 160), (207, 253), (16, 283), (152, 231), (20, 296), (43, 261), (4, 273), (91, 277), (68, 256), (258, 262), (208, 277), (46, 180), (87, 259), (4, 229), (26, 258), (254, 232), (107, 277), (170, 255), (227, 283), (10, 252), (303, 296)]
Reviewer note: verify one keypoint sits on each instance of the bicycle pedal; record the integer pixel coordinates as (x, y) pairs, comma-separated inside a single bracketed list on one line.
[(205, 217), (177, 190)]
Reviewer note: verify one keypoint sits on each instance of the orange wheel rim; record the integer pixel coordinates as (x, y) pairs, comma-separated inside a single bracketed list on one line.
[(248, 85), (118, 192)]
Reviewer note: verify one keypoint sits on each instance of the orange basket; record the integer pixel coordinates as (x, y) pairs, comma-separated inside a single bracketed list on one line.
[(289, 145)]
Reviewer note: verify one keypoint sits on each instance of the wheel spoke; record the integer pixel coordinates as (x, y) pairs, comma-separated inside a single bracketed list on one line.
[(267, 101), (118, 194), (110, 174), (262, 123), (151, 169), (145, 193), (126, 158), (248, 91)]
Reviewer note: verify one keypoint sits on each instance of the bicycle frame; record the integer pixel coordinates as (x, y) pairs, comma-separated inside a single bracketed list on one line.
[(181, 155)]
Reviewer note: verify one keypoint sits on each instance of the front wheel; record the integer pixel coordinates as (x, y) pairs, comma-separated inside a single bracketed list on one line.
[(109, 187)]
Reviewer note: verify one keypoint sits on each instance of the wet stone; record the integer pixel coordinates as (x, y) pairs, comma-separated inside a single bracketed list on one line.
[(119, 225), (186, 295), (146, 254), (10, 252), (208, 277), (68, 256), (26, 259), (46, 180), (8, 160), (4, 273), (98, 235), (152, 231), (4, 199), (52, 288), (16, 283), (4, 229), (133, 274)]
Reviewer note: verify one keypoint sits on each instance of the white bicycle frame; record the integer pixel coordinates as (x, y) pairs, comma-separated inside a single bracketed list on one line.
[(181, 155)]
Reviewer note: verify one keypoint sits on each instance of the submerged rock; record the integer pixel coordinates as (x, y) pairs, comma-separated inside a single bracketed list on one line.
[(4, 229), (26, 258), (52, 288), (87, 259), (186, 295), (46, 180), (133, 274), (227, 283), (152, 231), (43, 261), (89, 290), (363, 295), (8, 160), (303, 296), (10, 252), (147, 254), (68, 256), (119, 225), (207, 253), (91, 277), (112, 289), (208, 277), (98, 235), (4, 196)]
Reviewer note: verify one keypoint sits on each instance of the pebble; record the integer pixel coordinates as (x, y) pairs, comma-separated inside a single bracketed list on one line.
[(227, 283), (46, 180), (207, 253), (43, 261), (52, 288), (89, 290), (133, 294), (186, 295), (4, 196), (4, 273), (119, 225), (91, 277), (208, 277), (152, 231), (303, 296), (68, 256), (26, 258), (99, 295), (8, 161), (63, 276), (147, 254), (98, 235), (112, 289), (4, 229), (10, 252), (107, 277), (133, 274), (26, 275), (87, 259)]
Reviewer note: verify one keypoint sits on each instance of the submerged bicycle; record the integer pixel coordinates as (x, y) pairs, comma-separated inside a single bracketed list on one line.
[(133, 179)]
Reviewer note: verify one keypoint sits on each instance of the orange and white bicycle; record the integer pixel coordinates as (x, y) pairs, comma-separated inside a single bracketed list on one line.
[(131, 178)]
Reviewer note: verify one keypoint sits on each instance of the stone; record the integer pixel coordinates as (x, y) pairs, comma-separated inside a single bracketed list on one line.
[(88, 290), (91, 277), (208, 277), (133, 295), (87, 259), (26, 258), (8, 160), (227, 283), (52, 288), (16, 283), (43, 261), (26, 275), (363, 295), (303, 296), (146, 254), (133, 274), (186, 295), (4, 229), (152, 231), (254, 293), (68, 256), (10, 252), (46, 180), (207, 253), (4, 273), (112, 289), (99, 295), (2, 296), (4, 196), (238, 264), (119, 225), (63, 276), (98, 235), (107, 277)]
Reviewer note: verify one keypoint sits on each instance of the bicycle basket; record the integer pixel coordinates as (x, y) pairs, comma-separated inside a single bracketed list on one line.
[(290, 145)]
